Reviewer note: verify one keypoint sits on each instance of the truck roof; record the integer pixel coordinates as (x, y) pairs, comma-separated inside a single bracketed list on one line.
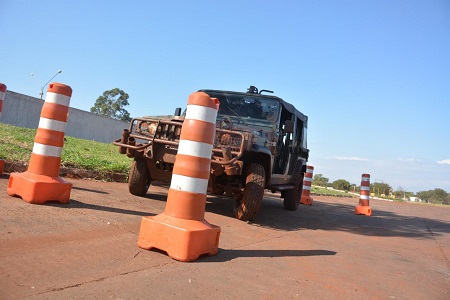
[(291, 108)]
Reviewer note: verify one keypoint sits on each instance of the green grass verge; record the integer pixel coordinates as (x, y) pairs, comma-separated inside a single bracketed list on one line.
[(16, 145), (317, 190)]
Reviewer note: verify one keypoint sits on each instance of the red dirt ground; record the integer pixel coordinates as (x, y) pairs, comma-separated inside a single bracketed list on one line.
[(87, 249)]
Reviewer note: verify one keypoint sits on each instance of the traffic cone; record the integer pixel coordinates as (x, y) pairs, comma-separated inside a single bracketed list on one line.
[(307, 180), (181, 229), (41, 182), (2, 96), (363, 207)]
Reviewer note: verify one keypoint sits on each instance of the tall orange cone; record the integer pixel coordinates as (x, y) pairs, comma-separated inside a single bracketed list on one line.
[(307, 180), (41, 182), (363, 207), (181, 229), (2, 96)]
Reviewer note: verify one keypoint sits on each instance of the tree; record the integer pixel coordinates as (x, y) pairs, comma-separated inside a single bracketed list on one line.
[(341, 184), (320, 180), (401, 193), (437, 196), (381, 188), (111, 104)]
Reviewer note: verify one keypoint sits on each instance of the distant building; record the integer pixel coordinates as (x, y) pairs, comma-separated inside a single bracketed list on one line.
[(415, 199)]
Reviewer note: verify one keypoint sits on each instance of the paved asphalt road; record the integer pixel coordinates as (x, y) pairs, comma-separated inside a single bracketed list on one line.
[(87, 250)]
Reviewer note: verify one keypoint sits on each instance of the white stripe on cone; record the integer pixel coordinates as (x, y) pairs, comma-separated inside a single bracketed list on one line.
[(202, 113), (47, 150), (196, 149), (52, 124), (189, 184), (57, 98)]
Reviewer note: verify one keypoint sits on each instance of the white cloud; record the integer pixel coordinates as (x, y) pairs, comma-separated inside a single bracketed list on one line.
[(444, 162), (409, 159), (348, 158)]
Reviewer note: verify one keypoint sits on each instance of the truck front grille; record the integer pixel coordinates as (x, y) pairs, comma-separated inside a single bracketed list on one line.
[(168, 131), (228, 138)]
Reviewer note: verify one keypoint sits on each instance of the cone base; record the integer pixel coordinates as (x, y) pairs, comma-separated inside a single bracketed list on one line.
[(363, 210), (38, 189), (306, 200), (183, 240), (2, 164)]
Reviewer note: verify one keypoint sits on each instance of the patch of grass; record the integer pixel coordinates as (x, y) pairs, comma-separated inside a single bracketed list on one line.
[(322, 191), (16, 145)]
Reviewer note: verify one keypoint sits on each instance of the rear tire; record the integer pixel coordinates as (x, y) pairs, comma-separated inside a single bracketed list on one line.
[(292, 197), (248, 203), (139, 177)]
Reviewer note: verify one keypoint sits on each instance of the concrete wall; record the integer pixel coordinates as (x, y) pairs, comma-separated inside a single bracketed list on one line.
[(25, 111)]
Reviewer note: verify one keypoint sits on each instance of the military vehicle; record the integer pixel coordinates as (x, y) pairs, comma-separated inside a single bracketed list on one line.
[(260, 144)]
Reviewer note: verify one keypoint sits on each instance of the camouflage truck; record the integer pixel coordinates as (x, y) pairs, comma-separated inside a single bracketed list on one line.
[(260, 144)]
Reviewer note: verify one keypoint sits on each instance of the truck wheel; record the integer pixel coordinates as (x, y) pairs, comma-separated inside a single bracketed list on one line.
[(139, 177), (249, 202), (292, 197)]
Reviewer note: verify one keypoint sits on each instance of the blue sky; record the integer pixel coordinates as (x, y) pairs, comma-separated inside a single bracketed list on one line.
[(372, 76)]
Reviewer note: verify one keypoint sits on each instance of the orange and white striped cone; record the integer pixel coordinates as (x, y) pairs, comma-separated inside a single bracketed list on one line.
[(181, 229), (307, 180), (363, 207), (41, 182), (2, 96)]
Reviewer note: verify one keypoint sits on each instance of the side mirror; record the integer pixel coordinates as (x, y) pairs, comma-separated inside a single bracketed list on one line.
[(289, 126)]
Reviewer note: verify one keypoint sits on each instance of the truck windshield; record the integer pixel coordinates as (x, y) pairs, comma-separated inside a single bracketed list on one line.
[(248, 107)]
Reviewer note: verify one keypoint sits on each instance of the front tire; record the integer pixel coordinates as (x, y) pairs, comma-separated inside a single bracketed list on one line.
[(292, 197), (139, 177), (248, 203)]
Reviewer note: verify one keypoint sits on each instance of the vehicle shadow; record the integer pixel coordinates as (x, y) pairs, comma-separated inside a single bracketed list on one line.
[(336, 217), (154, 196), (322, 215)]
